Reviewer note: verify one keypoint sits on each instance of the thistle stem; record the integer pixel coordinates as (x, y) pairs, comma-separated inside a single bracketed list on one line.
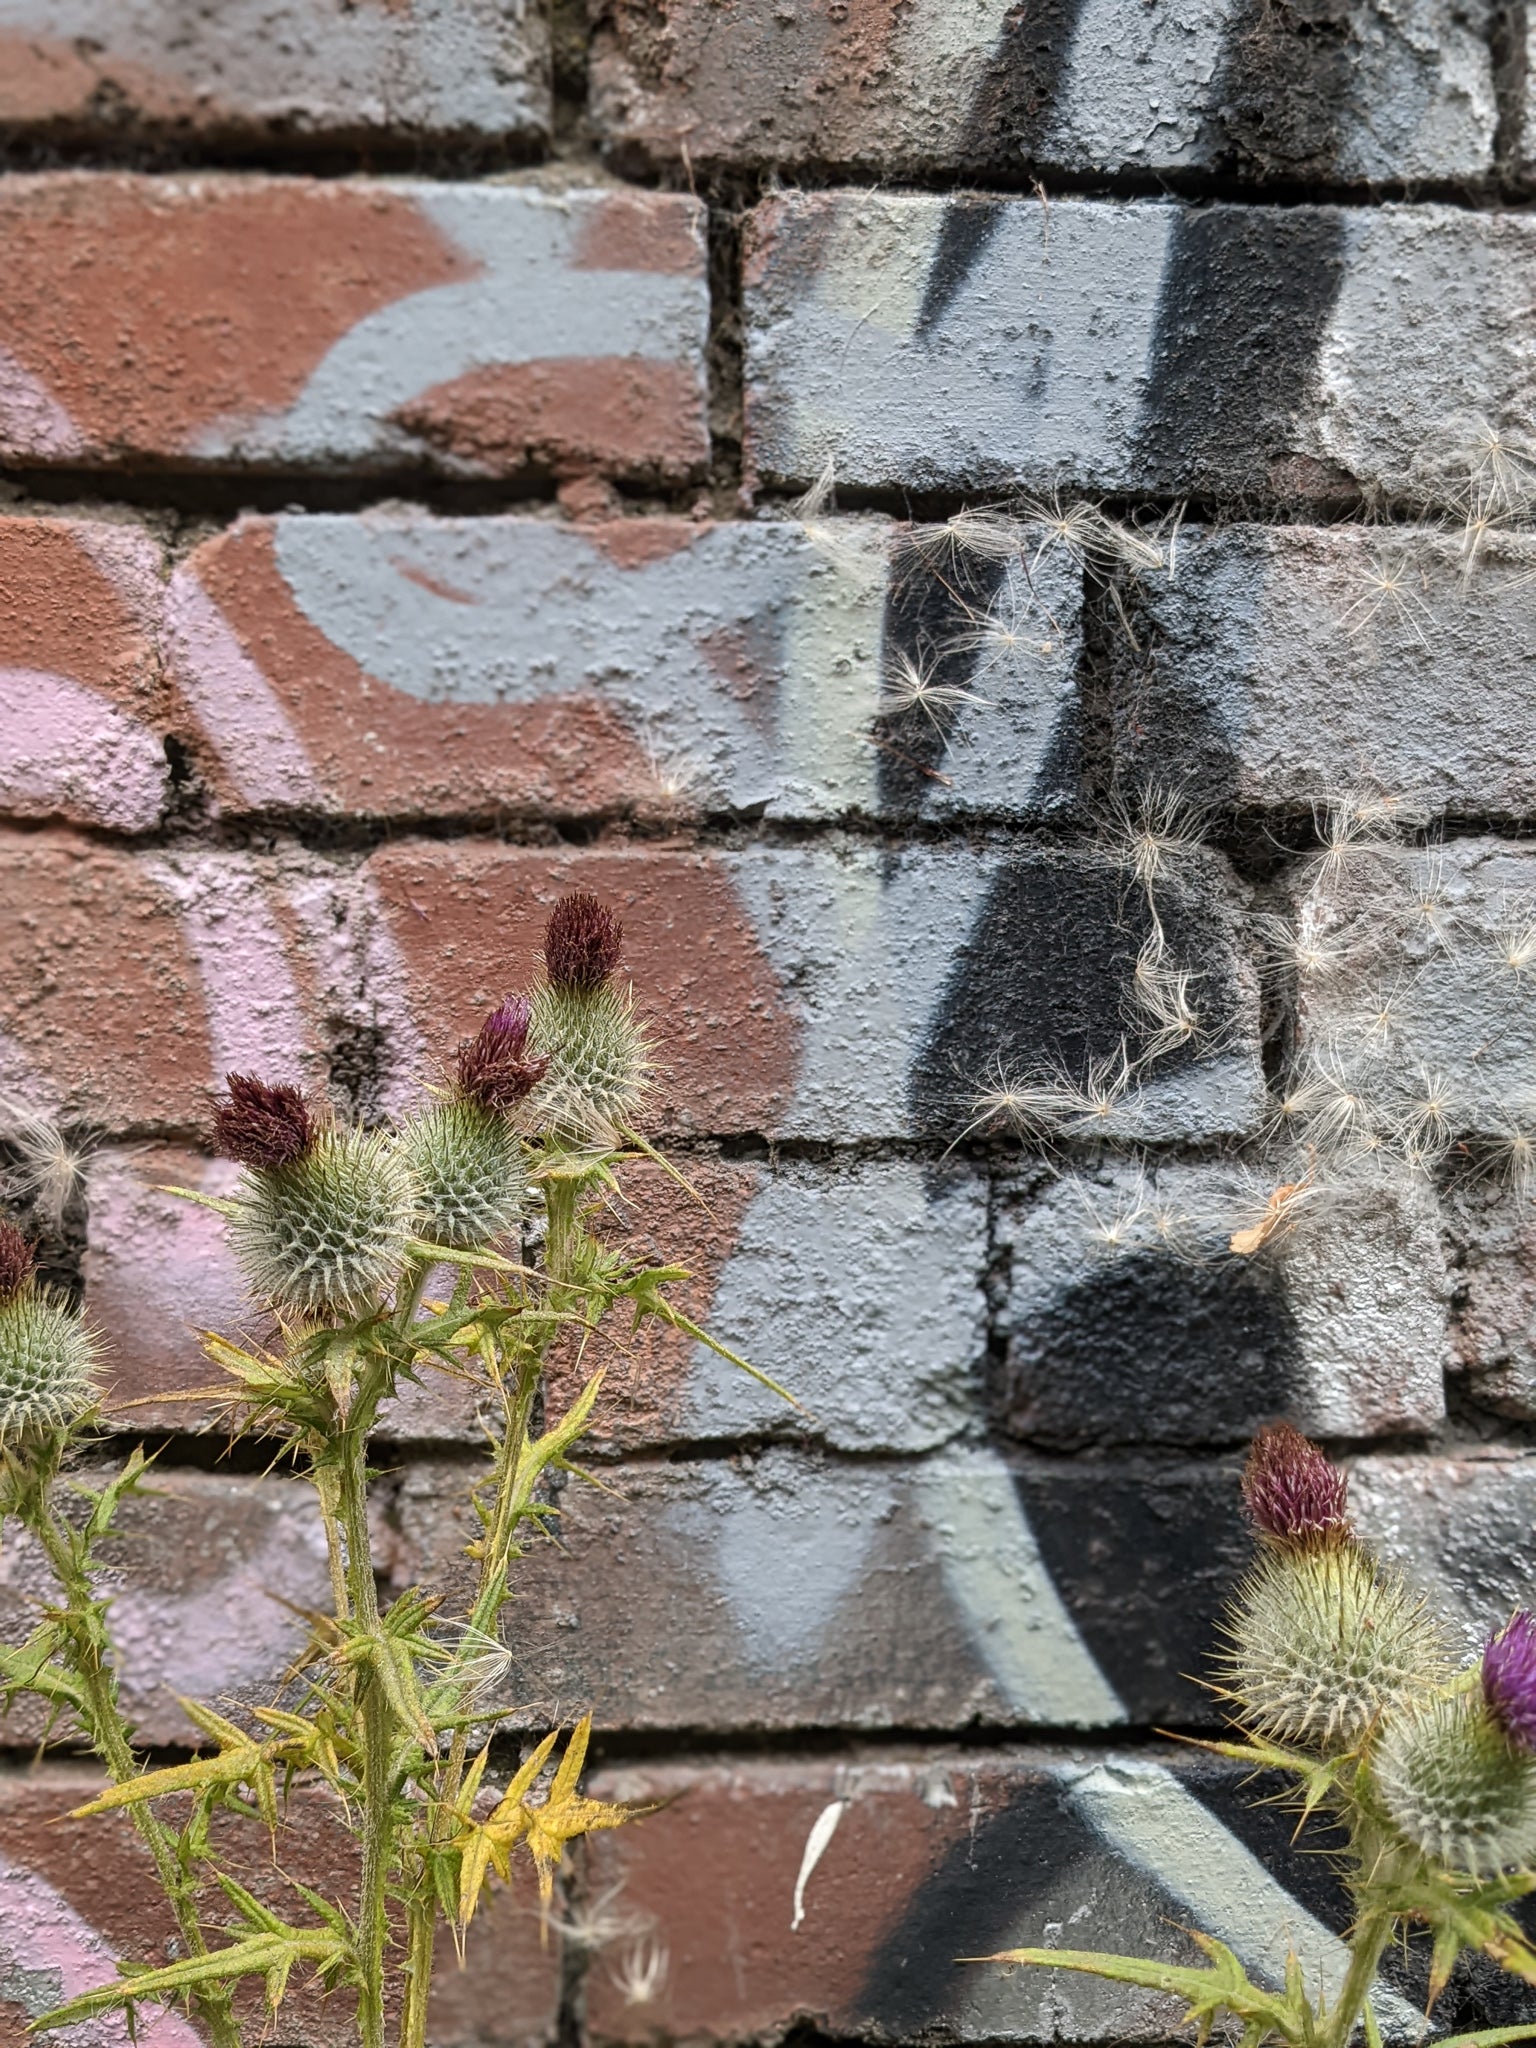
[(1367, 1947), (374, 1725), (85, 1635)]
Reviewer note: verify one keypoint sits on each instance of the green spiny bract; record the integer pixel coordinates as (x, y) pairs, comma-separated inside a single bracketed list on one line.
[(48, 1360), (1455, 1786), (325, 1234), (1323, 1642), (599, 1060), (467, 1163)]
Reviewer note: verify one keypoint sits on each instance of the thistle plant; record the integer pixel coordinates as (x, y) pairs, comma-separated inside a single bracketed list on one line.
[(473, 1239), (1420, 1778)]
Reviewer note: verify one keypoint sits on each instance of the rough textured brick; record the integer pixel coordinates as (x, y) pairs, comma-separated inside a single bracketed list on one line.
[(287, 72), (1280, 662), (1413, 975), (473, 328), (964, 1588), (837, 993), (1494, 1332), (980, 344), (132, 984), (940, 1855), (400, 666), (1170, 1339), (202, 1572), (77, 1894), (1379, 94), (814, 1274), (81, 710)]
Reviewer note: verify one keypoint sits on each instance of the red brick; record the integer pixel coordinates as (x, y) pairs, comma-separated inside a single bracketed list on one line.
[(81, 709), (129, 985), (461, 925), (138, 323)]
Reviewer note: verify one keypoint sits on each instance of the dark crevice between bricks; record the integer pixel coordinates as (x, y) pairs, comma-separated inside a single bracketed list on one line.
[(133, 143), (725, 349), (1508, 39), (570, 41)]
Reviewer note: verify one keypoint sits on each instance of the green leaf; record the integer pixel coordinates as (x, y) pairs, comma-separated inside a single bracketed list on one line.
[(255, 1957), (1491, 2037), (1224, 1987)]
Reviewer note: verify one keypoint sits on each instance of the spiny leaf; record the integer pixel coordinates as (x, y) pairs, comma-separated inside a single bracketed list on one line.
[(255, 1957)]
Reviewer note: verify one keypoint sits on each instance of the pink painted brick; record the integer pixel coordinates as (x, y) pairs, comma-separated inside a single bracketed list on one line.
[(75, 1895), (82, 711), (131, 984), (200, 1578), (275, 73), (479, 329)]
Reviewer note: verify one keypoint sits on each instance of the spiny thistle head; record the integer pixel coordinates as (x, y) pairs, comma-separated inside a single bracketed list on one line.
[(1455, 1785), (324, 1234), (262, 1124), (1322, 1642), (1293, 1493), (15, 1260), (495, 1068), (1509, 1679), (599, 1060), (582, 942), (48, 1359), (467, 1164)]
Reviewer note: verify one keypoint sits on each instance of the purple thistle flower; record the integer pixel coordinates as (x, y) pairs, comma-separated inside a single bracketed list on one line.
[(15, 1260), (494, 1067), (1293, 1493), (1509, 1679), (262, 1125), (582, 941)]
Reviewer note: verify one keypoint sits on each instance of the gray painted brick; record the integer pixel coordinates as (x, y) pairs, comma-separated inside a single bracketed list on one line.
[(1412, 975), (981, 344), (395, 664), (1282, 662), (946, 85), (1172, 1339)]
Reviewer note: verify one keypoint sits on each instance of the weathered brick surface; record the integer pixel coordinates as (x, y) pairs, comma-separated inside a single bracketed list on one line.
[(937, 87), (778, 970), (478, 329), (132, 984), (78, 1894), (942, 1854), (1281, 663), (280, 73), (976, 344), (207, 1575), (961, 1588), (810, 1266), (81, 710), (399, 666), (1169, 1338), (1418, 970)]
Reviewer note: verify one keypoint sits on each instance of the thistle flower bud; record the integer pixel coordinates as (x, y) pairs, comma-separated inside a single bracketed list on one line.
[(467, 1164), (1322, 1642), (48, 1360), (262, 1125), (1456, 1786), (15, 1260), (1509, 1680), (597, 1052), (496, 1069), (582, 941), (1292, 1492), (323, 1234)]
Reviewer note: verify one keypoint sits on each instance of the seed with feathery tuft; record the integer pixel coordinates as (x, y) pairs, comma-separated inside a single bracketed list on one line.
[(15, 1260), (1293, 1493), (582, 941), (1509, 1679), (262, 1124), (496, 1070)]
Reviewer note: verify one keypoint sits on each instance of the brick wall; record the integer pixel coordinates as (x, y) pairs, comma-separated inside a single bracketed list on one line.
[(452, 452)]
